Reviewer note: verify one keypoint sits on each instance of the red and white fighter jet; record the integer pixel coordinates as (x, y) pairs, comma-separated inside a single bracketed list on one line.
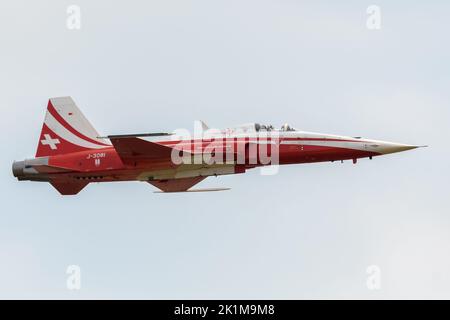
[(71, 153)]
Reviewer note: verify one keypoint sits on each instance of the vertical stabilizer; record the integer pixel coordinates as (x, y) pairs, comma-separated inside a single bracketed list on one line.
[(66, 130)]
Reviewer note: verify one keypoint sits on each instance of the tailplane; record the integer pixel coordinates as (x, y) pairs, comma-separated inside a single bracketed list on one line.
[(69, 188), (66, 130)]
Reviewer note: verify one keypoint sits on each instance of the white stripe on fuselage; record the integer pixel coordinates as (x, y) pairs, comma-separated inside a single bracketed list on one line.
[(361, 146)]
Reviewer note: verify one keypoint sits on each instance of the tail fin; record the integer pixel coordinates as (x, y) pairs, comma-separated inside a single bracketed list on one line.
[(66, 130)]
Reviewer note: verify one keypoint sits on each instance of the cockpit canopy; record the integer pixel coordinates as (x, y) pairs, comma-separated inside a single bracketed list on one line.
[(257, 127), (262, 127), (286, 127)]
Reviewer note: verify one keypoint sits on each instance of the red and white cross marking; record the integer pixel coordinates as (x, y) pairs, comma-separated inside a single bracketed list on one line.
[(50, 142)]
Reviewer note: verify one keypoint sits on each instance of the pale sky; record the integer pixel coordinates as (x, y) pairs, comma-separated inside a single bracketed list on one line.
[(310, 231)]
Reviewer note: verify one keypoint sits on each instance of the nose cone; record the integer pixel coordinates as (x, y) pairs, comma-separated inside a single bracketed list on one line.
[(391, 147)]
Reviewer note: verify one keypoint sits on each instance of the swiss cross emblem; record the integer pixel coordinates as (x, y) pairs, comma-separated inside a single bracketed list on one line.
[(48, 141)]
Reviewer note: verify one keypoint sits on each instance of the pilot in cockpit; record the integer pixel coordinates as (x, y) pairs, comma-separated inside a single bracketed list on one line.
[(286, 127), (263, 127)]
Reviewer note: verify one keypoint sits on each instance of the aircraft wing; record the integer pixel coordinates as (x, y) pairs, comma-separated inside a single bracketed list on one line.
[(176, 185), (196, 190), (133, 148)]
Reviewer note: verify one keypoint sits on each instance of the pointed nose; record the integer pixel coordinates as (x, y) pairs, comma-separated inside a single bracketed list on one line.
[(391, 147)]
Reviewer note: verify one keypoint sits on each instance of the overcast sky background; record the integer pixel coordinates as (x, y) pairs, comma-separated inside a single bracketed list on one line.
[(308, 232)]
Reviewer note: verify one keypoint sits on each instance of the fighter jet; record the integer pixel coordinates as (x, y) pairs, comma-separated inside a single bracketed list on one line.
[(71, 153)]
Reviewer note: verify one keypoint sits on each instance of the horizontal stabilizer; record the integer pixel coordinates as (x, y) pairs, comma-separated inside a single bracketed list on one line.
[(69, 188)]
